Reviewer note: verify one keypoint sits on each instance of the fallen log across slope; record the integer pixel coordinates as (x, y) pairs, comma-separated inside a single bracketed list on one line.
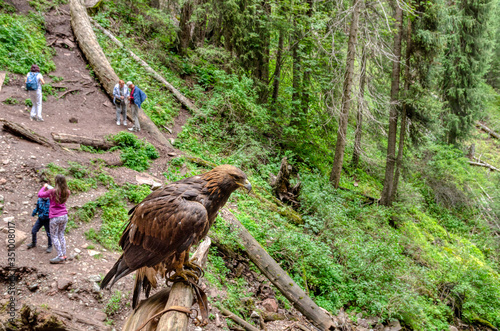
[(20, 130), (488, 130), (87, 141), (80, 22), (271, 269), (182, 99)]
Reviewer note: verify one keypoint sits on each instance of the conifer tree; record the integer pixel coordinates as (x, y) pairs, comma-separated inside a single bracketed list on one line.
[(465, 65)]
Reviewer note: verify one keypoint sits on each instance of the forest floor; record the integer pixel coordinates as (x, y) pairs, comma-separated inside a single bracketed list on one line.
[(69, 290)]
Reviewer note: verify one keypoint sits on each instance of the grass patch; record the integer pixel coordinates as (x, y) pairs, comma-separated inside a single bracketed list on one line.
[(136, 154)]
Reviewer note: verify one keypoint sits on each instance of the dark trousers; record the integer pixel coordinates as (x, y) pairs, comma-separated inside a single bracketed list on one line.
[(38, 225)]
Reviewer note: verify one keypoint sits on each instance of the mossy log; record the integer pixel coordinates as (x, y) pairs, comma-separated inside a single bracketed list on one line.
[(179, 295), (80, 22), (87, 141), (271, 269), (237, 319)]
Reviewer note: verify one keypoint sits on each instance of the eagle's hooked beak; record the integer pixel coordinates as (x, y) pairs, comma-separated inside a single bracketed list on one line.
[(247, 185)]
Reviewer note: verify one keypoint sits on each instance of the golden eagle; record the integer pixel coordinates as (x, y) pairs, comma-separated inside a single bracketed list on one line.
[(164, 226)]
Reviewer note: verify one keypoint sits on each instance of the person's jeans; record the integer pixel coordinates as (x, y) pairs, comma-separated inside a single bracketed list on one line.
[(121, 109), (38, 225)]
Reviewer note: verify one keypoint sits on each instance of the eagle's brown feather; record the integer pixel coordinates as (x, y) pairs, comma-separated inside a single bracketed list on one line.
[(164, 226)]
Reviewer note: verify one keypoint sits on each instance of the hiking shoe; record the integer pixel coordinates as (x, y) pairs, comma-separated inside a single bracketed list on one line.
[(125, 123), (58, 260), (49, 249), (131, 129), (31, 245), (33, 118), (39, 119), (117, 122)]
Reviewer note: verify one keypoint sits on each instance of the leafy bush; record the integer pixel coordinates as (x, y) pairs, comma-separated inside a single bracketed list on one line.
[(136, 154), (22, 43)]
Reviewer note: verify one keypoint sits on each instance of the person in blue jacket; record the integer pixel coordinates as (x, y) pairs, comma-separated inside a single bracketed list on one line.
[(42, 209), (136, 98)]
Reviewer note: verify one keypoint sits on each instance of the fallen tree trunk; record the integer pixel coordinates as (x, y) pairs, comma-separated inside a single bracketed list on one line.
[(182, 99), (71, 138), (87, 40), (483, 164), (488, 130), (180, 295), (19, 130), (279, 277)]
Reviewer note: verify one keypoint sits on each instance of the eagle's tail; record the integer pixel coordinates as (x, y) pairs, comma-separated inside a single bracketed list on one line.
[(145, 279), (119, 270)]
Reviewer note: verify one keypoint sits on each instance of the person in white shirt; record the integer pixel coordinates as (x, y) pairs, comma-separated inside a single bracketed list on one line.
[(36, 95)]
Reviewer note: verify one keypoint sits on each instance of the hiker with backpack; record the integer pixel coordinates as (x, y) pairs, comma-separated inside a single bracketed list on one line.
[(34, 82)]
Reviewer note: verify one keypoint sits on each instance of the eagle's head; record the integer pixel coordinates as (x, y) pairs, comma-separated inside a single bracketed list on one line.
[(229, 177)]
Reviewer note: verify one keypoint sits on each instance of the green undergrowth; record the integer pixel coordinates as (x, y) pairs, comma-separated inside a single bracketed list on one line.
[(136, 154), (112, 209), (80, 178), (22, 43)]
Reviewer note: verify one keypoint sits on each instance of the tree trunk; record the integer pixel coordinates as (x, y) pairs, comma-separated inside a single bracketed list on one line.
[(402, 130), (306, 78), (277, 71), (87, 40), (262, 65), (359, 117), (268, 266), (70, 138), (385, 198), (185, 26), (346, 97)]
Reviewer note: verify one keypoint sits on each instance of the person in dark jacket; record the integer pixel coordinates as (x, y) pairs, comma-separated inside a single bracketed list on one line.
[(136, 98), (42, 209)]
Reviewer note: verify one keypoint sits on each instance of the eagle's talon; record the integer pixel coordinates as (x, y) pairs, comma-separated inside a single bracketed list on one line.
[(184, 274), (195, 267)]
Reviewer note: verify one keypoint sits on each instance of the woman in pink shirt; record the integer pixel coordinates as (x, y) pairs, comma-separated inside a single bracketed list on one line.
[(58, 215)]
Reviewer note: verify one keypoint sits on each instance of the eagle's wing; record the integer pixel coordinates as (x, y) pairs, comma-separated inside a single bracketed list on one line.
[(161, 227)]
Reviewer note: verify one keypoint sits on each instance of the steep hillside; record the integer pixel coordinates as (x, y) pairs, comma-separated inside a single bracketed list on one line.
[(429, 261)]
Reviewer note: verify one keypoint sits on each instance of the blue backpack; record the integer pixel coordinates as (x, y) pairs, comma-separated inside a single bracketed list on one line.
[(32, 82)]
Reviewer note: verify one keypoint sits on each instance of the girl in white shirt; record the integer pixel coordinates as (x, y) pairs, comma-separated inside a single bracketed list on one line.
[(36, 95)]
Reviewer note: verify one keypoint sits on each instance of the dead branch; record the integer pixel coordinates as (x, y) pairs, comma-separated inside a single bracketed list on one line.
[(268, 266), (488, 130), (30, 135), (483, 164), (69, 91), (237, 319)]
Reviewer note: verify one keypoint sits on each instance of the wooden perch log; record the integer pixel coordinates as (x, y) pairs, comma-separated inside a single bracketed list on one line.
[(488, 130), (80, 22), (182, 99), (180, 295), (19, 130), (71, 138), (278, 276), (237, 319)]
